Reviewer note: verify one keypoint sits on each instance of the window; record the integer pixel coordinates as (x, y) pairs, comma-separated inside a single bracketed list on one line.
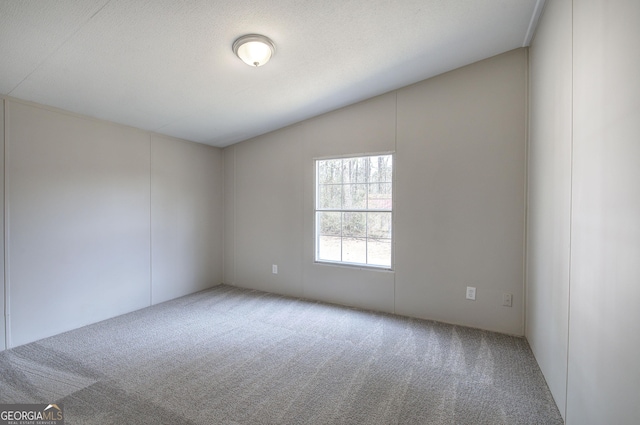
[(354, 210)]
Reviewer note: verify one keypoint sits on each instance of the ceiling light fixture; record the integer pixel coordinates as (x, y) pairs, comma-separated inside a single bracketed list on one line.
[(254, 49)]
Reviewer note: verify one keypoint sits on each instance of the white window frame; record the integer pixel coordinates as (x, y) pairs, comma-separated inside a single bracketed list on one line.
[(316, 210)]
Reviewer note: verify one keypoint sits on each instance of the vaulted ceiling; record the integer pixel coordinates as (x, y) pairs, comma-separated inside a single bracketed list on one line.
[(167, 65)]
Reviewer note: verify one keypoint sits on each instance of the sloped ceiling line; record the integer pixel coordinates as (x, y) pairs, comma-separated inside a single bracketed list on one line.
[(167, 65)]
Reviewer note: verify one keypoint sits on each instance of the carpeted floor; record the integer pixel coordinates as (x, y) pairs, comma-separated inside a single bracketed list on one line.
[(234, 356)]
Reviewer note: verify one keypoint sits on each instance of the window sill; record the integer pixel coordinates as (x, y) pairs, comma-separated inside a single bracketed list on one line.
[(363, 267)]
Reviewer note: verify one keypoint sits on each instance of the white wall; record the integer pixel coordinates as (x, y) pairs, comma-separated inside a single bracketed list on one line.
[(549, 218), (78, 215), (79, 220), (461, 195), (603, 339), (186, 217), (2, 288), (268, 223), (459, 199)]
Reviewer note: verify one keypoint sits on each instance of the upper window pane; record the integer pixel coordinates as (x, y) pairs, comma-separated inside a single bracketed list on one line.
[(379, 196), (354, 170), (329, 196), (330, 171), (355, 197), (380, 168)]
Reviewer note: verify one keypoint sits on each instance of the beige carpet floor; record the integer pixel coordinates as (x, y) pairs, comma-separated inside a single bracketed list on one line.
[(235, 356)]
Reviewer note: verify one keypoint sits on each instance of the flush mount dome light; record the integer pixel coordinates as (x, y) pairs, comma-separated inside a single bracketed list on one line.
[(254, 49)]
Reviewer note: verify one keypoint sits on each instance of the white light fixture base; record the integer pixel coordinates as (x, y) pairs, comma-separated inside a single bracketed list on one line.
[(254, 49)]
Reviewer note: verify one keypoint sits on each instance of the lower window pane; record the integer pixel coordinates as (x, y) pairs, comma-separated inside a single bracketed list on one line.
[(329, 223), (354, 224), (379, 225), (329, 248), (354, 250), (379, 252)]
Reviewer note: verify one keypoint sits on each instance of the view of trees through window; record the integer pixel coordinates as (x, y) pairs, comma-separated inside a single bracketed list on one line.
[(353, 210)]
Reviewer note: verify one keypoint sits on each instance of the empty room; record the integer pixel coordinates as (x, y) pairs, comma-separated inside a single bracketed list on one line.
[(303, 212)]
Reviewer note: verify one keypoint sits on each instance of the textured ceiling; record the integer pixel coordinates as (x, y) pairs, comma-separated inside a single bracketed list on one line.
[(167, 65)]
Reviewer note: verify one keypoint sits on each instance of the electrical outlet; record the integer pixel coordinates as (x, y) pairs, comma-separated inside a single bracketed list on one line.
[(274, 269), (507, 300), (471, 292)]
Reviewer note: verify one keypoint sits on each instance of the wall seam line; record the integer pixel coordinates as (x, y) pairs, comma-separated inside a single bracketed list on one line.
[(302, 157), (7, 280), (150, 223), (571, 141), (527, 135), (394, 205), (235, 218), (224, 217)]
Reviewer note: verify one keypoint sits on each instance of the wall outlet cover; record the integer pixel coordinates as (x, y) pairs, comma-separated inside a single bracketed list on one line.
[(471, 292)]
